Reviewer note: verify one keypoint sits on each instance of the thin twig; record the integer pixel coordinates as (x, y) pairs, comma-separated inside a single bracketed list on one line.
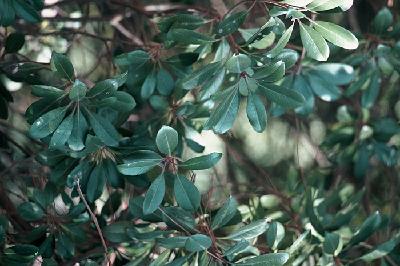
[(94, 219)]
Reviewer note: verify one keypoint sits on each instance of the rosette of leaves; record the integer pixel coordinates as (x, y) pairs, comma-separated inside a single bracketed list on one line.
[(65, 116)]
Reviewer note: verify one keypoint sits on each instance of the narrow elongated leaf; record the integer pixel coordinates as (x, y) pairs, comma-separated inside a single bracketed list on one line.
[(370, 225), (30, 211), (186, 193), (62, 65), (95, 184), (337, 35), (173, 242), (382, 250), (323, 88), (256, 113), (154, 195), (315, 45), (26, 11), (284, 97), (222, 118), (200, 76), (135, 58), (47, 123), (140, 163), (272, 259), (197, 242), (382, 20), (104, 130), (201, 162), (76, 140), (275, 234), (188, 37), (332, 244), (46, 91), (103, 89), (249, 231), (167, 140), (62, 133), (283, 41), (299, 3), (323, 5), (165, 82), (231, 23), (14, 42), (225, 214), (8, 14), (149, 85)]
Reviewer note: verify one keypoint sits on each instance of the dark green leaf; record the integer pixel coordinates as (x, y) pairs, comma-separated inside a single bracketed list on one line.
[(275, 234), (14, 42), (284, 97), (165, 82), (332, 244), (201, 162), (225, 214), (231, 23), (249, 231), (76, 140), (62, 65), (370, 225), (30, 211), (46, 124), (26, 11), (256, 113), (95, 184), (139, 163), (167, 140), (186, 193), (222, 118), (154, 195), (62, 133), (78, 91), (104, 130), (198, 242), (283, 41)]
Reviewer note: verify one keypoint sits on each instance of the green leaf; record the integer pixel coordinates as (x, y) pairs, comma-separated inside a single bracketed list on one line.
[(14, 42), (284, 97), (26, 11), (103, 129), (275, 234), (7, 14), (188, 37), (256, 113), (139, 163), (154, 195), (30, 211), (103, 89), (370, 94), (222, 118), (47, 91), (47, 123), (225, 214), (249, 231), (124, 102), (117, 232), (237, 248), (194, 146), (135, 58), (76, 140), (271, 72), (323, 5), (111, 173), (62, 65), (314, 44), (323, 88), (311, 211), (298, 243), (167, 140), (238, 63), (95, 184), (332, 244), (186, 193), (337, 35), (173, 242), (280, 45), (165, 82), (149, 85), (383, 20), (370, 225), (231, 23), (201, 162), (78, 91), (382, 250), (62, 133), (272, 259), (200, 75), (197, 242)]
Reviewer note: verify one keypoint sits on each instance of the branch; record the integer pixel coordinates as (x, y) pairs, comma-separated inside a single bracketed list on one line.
[(94, 219)]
